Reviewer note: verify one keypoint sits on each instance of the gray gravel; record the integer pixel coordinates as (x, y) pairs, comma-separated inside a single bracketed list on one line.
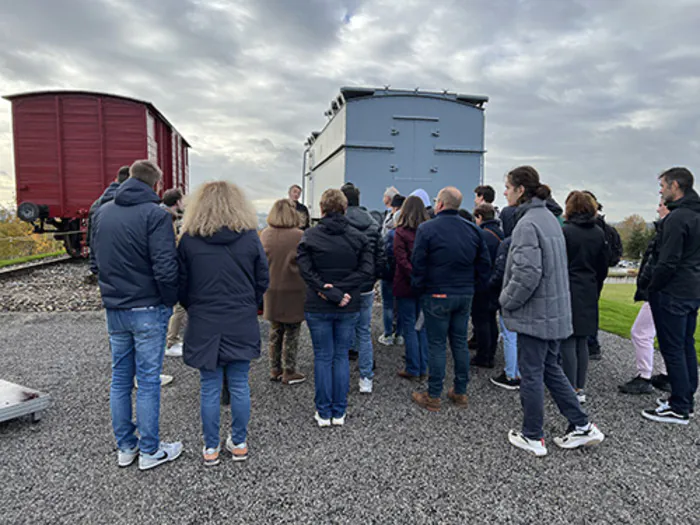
[(60, 288), (391, 463)]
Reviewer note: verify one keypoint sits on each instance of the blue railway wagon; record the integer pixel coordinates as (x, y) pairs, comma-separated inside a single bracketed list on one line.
[(376, 138)]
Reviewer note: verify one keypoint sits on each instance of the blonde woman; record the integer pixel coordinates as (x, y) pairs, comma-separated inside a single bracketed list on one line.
[(284, 300), (223, 276)]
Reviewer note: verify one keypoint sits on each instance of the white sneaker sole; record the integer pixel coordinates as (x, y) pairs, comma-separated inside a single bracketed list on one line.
[(169, 459), (128, 462), (322, 423), (515, 441), (507, 387), (338, 422), (588, 442), (659, 419)]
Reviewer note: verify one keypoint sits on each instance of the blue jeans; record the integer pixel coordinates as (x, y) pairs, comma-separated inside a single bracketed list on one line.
[(331, 336), (510, 350), (447, 317), (388, 307), (363, 337), (540, 365), (210, 408), (416, 342), (675, 321), (137, 340)]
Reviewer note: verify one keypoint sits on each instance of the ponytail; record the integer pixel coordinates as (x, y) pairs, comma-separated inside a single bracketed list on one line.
[(529, 179)]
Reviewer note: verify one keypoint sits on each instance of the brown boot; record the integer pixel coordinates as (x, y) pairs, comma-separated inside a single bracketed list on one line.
[(290, 377), (406, 375), (461, 400), (424, 400), (275, 374)]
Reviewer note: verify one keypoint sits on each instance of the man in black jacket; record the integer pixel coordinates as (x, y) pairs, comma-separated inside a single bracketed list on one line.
[(483, 313), (294, 195), (674, 294), (363, 222), (137, 270), (450, 260)]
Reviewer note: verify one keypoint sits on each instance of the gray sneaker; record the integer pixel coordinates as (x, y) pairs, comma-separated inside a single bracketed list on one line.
[(127, 457), (165, 453)]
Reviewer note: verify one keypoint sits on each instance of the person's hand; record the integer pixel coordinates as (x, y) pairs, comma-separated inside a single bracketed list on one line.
[(326, 286), (345, 301)]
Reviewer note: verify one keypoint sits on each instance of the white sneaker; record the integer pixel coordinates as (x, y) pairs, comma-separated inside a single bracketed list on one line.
[(365, 386), (581, 396), (127, 457), (399, 341), (322, 422), (338, 421), (534, 446), (386, 340), (174, 351), (580, 437), (166, 452)]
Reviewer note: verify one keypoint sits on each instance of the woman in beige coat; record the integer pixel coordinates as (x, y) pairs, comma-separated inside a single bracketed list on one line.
[(284, 300)]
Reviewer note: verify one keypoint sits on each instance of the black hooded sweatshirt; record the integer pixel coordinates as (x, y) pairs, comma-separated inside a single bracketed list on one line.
[(677, 259)]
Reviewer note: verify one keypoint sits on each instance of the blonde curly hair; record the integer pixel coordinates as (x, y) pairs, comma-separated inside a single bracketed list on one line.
[(217, 205)]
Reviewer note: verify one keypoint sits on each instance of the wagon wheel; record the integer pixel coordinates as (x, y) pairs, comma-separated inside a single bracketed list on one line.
[(73, 242)]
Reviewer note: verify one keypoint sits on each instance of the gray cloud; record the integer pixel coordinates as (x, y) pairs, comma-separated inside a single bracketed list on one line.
[(595, 94)]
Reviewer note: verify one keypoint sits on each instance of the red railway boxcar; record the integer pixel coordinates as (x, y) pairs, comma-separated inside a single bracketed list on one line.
[(69, 145)]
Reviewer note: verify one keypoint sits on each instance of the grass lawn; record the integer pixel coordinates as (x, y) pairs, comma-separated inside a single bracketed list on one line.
[(618, 311), (29, 258)]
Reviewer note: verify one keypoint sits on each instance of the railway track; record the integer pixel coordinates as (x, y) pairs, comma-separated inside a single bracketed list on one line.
[(21, 269)]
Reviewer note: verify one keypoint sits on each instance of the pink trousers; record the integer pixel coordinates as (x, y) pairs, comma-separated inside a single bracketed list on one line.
[(643, 334)]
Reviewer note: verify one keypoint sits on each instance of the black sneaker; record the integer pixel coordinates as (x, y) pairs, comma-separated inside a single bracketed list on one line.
[(595, 353), (637, 386), (665, 414), (353, 355), (504, 382), (660, 401), (661, 382)]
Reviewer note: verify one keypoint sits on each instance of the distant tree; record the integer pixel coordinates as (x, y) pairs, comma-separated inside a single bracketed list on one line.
[(635, 235)]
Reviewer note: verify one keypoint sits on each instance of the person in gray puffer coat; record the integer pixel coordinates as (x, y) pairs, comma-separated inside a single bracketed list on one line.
[(536, 303)]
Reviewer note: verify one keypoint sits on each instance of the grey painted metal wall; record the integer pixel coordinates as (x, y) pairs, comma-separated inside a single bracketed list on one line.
[(405, 139)]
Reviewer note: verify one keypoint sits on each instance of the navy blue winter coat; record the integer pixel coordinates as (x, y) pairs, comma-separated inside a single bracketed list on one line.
[(134, 247), (222, 281), (450, 256), (107, 195), (493, 235)]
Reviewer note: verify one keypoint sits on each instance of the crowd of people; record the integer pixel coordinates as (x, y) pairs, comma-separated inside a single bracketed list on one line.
[(530, 274)]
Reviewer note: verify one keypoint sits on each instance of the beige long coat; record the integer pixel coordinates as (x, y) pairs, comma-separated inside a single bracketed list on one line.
[(284, 299)]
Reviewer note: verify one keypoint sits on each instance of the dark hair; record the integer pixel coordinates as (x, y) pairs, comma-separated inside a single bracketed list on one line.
[(487, 192), (465, 215), (529, 179), (597, 205), (351, 193), (294, 186), (579, 203), (171, 197), (682, 176), (397, 201), (122, 174), (413, 213), (486, 211)]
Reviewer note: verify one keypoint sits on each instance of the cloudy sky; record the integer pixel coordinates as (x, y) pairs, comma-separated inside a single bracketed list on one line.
[(599, 94)]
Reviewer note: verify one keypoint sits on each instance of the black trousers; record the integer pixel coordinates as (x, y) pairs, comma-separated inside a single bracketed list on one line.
[(485, 328)]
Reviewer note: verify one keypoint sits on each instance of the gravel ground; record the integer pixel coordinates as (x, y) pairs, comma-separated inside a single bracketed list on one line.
[(59, 288), (392, 463)]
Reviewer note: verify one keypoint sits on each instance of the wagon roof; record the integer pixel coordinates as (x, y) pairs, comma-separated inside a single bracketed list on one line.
[(149, 105)]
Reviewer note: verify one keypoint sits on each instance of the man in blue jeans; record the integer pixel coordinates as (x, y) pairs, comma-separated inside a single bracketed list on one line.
[(360, 219), (674, 294), (134, 247), (450, 260)]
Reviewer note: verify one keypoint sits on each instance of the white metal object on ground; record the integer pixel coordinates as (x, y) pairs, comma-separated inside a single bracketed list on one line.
[(17, 401)]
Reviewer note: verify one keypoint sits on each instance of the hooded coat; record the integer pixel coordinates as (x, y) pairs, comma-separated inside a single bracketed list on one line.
[(363, 222), (134, 249), (107, 195), (221, 282), (334, 253), (587, 255), (676, 270), (535, 299)]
